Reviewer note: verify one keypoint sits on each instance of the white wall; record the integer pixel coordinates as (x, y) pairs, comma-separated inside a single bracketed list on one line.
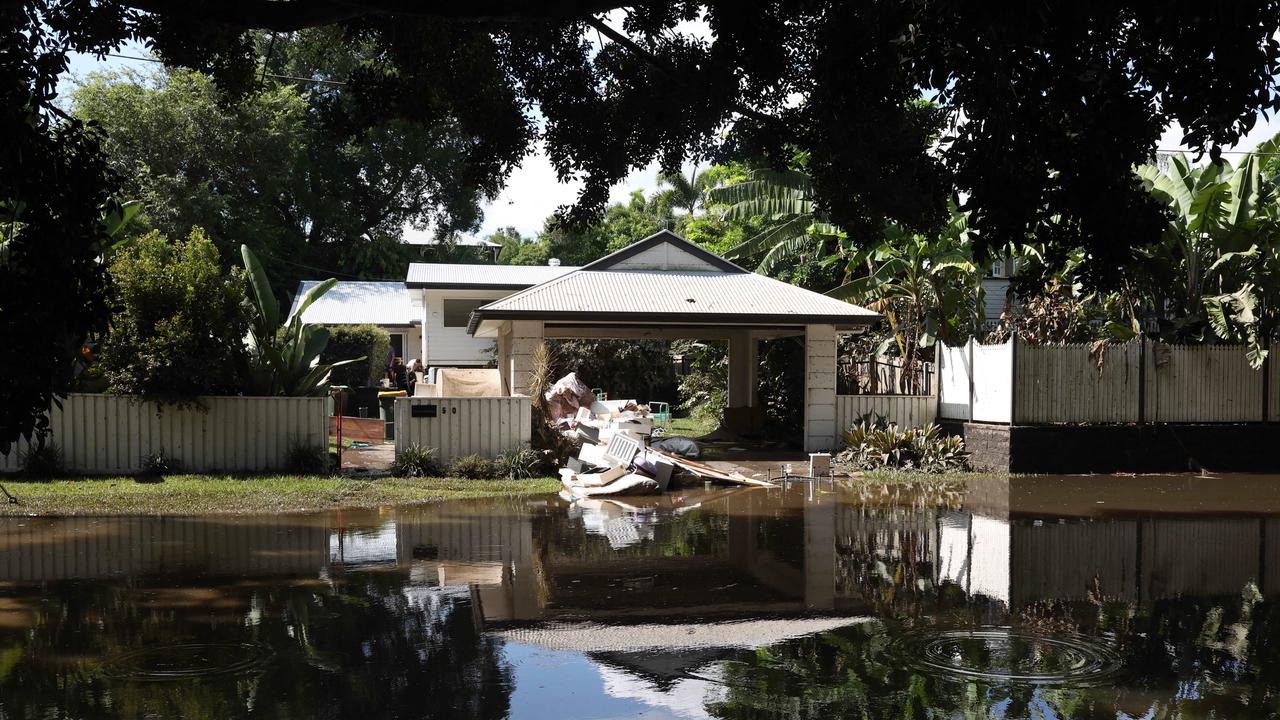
[(820, 431), (448, 346), (953, 382), (993, 383), (113, 433)]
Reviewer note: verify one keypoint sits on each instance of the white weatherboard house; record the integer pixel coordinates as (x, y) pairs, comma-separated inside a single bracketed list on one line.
[(427, 314), (662, 287)]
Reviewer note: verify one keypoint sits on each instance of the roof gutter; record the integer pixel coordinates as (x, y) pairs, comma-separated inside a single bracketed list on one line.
[(479, 315)]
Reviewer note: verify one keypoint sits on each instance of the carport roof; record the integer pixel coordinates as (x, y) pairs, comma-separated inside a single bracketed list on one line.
[(665, 279)]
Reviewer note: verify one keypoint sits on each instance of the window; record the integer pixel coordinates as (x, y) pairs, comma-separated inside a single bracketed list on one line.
[(457, 312)]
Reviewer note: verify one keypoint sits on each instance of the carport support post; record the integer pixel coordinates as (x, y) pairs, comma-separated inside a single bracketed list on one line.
[(739, 414), (819, 387), (526, 336)]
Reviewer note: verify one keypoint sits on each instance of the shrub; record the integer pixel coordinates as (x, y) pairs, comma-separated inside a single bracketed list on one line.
[(702, 389), (307, 459), (519, 464), (417, 461), (349, 341), (157, 464), (180, 321), (43, 461), (473, 467), (924, 449)]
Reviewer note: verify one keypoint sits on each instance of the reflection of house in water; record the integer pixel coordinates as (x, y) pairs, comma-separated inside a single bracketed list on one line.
[(485, 547), (1024, 555)]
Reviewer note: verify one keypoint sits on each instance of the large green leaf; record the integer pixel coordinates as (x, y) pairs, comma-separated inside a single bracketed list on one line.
[(264, 298), (764, 241)]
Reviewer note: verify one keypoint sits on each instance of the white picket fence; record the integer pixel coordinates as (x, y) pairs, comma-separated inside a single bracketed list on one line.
[(464, 426), (1138, 381), (100, 434)]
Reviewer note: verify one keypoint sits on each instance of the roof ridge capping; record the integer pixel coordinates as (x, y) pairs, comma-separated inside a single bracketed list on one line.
[(658, 238)]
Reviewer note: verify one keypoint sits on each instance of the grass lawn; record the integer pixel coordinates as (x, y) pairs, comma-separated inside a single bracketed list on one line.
[(208, 494), (689, 427)]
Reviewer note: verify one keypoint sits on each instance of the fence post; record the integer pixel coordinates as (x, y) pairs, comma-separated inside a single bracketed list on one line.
[(1266, 385), (1013, 378), (969, 371), (1142, 378)]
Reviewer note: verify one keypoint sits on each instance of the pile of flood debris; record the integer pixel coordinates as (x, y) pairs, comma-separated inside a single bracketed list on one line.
[(621, 452)]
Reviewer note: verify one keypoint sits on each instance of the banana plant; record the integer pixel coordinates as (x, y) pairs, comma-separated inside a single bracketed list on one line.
[(1216, 264), (285, 358), (927, 286), (793, 227)]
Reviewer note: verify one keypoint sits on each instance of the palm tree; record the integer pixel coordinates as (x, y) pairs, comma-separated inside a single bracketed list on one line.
[(683, 193)]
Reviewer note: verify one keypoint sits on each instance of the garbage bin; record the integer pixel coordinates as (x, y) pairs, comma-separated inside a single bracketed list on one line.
[(387, 411)]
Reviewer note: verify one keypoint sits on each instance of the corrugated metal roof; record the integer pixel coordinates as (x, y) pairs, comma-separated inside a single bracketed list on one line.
[(682, 296), (449, 275), (356, 302)]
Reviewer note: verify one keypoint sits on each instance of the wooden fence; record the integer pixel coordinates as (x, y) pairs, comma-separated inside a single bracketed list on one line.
[(1135, 382), (905, 410), (101, 434), (883, 375), (464, 426)]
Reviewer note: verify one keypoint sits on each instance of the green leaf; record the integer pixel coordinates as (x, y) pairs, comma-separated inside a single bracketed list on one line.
[(265, 299)]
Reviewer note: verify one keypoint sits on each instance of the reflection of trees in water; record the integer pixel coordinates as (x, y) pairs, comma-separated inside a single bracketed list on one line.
[(693, 533), (886, 558), (367, 648), (1188, 657)]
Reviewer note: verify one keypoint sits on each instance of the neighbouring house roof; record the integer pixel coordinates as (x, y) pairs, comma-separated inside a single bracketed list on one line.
[(357, 302), (597, 637), (457, 276), (667, 279)]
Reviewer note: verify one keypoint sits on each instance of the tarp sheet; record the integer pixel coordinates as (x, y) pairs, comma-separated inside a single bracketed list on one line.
[(467, 382)]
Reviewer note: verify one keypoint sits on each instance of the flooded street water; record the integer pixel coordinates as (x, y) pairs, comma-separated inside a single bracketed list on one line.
[(1077, 597)]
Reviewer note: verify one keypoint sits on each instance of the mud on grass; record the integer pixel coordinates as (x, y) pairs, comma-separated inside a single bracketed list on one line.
[(245, 495)]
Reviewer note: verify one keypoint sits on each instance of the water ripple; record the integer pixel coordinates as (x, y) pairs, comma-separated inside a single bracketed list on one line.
[(186, 661), (1009, 655)]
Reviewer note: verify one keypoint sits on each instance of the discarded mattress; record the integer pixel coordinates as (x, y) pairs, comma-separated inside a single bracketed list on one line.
[(628, 484)]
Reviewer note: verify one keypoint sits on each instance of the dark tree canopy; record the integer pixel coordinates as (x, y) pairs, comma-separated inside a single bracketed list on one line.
[(1052, 101)]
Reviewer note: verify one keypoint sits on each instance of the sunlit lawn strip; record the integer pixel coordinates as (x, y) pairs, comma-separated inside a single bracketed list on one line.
[(207, 494)]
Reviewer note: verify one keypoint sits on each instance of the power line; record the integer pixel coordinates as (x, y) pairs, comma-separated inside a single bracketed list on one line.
[(293, 78)]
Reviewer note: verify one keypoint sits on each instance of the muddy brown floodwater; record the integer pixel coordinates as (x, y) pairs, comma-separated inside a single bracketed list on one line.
[(1041, 597)]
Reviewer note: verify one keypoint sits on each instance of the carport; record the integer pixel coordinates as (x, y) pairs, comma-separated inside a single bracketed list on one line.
[(665, 287)]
